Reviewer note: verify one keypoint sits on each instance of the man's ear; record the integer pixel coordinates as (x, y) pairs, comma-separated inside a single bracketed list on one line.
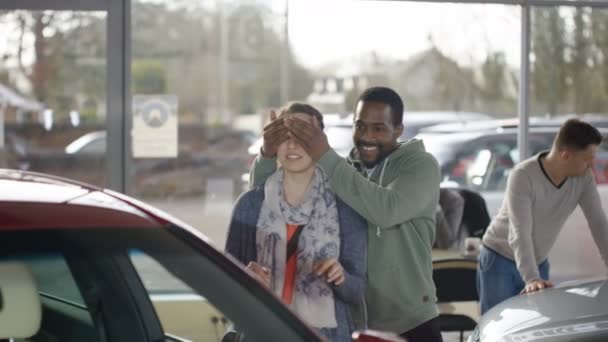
[(398, 131)]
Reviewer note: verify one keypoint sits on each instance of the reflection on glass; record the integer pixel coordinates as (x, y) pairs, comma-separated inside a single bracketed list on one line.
[(52, 90), (568, 61), (229, 62), (479, 167), (495, 329)]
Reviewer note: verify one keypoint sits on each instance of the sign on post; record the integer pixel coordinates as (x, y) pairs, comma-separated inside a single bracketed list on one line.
[(155, 126)]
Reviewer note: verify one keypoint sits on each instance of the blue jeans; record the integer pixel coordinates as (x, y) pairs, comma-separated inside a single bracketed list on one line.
[(499, 279)]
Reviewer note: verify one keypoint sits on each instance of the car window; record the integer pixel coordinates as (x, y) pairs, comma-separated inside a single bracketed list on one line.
[(507, 156), (53, 277), (96, 146), (503, 151), (181, 310), (158, 282), (65, 315)]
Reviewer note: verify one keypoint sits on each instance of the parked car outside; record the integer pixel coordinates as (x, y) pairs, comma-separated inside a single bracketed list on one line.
[(415, 121), (106, 267), (222, 157), (481, 160), (338, 128), (339, 131), (573, 311), (485, 124)]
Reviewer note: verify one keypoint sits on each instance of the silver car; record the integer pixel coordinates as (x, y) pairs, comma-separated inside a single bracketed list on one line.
[(572, 311)]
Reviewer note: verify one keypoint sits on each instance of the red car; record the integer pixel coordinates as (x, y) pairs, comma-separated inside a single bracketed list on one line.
[(80, 263)]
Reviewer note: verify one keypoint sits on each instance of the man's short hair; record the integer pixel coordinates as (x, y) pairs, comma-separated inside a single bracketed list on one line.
[(577, 135), (298, 107), (387, 96)]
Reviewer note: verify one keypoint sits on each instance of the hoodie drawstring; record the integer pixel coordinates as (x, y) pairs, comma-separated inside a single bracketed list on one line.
[(378, 233)]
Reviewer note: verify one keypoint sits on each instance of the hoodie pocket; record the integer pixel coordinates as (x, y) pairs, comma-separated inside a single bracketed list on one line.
[(391, 296)]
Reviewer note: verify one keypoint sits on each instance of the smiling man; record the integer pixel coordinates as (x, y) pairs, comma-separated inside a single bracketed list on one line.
[(395, 187)]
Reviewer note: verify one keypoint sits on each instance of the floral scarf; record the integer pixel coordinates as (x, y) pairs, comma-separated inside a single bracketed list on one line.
[(313, 298)]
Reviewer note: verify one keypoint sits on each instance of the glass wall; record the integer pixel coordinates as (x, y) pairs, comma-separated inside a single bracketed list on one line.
[(53, 93), (229, 62), (569, 78), (204, 75)]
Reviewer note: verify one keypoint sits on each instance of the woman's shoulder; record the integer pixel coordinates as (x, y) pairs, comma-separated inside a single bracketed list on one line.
[(250, 199), (348, 214), (247, 208)]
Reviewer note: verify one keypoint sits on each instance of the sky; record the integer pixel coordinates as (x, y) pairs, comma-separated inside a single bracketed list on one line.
[(321, 31), (325, 31)]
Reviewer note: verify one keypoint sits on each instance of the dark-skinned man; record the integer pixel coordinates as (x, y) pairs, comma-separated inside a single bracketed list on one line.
[(395, 187)]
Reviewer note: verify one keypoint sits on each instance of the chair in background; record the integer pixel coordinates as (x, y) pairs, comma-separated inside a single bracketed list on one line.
[(455, 281), (475, 215)]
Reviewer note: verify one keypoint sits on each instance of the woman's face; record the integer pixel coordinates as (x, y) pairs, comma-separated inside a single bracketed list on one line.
[(291, 155)]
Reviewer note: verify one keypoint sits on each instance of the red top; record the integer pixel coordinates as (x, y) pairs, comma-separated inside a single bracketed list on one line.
[(290, 269)]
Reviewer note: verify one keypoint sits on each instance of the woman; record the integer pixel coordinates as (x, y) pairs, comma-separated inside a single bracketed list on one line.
[(301, 241)]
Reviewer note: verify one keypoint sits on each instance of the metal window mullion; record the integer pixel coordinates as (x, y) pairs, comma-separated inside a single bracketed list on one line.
[(577, 3), (55, 5), (118, 117), (524, 84)]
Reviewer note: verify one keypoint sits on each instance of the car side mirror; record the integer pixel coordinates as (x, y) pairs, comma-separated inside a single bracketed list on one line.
[(368, 335)]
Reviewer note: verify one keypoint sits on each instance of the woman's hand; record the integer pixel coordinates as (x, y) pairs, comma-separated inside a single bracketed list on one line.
[(261, 273), (330, 270)]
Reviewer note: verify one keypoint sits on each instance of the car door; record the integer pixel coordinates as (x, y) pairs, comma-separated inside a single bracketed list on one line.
[(494, 157), (123, 285)]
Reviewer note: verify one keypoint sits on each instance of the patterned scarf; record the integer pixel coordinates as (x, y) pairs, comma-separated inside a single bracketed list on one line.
[(313, 299)]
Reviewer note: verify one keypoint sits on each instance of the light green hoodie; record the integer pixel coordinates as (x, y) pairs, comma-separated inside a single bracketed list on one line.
[(399, 202)]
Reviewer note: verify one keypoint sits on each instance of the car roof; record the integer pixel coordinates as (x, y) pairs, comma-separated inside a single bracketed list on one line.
[(30, 200), (412, 117), (81, 141), (489, 125), (466, 135), (599, 122), (329, 120)]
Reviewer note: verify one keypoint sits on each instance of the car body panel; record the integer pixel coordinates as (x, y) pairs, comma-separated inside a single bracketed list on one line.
[(415, 121), (31, 200), (572, 311)]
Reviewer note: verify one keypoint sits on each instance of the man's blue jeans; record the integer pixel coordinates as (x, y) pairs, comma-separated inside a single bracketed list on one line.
[(499, 279)]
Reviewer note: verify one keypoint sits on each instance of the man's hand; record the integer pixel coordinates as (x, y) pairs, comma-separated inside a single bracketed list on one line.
[(330, 270), (536, 285), (308, 135), (260, 272), (274, 135)]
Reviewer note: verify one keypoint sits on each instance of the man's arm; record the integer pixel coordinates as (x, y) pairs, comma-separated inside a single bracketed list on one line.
[(519, 201), (385, 205), (452, 205), (591, 204), (261, 169), (443, 234)]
